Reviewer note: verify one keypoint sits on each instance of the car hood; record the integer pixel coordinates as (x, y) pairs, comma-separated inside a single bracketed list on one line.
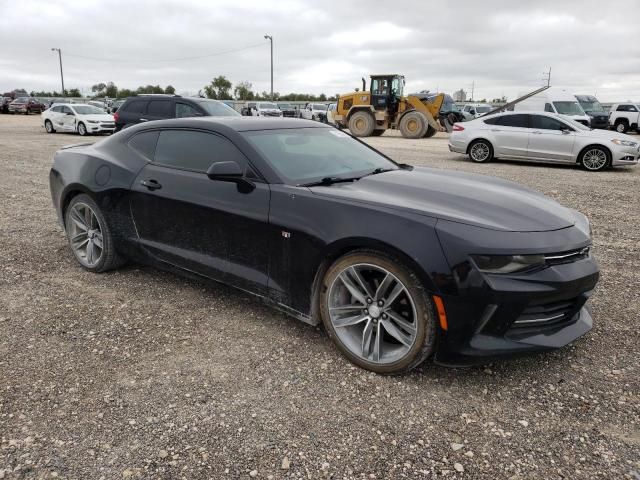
[(100, 117), (478, 200), (606, 135)]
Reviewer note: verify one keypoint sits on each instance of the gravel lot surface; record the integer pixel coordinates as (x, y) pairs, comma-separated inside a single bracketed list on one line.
[(142, 374)]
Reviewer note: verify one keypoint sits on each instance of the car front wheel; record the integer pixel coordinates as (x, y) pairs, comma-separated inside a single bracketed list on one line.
[(82, 129), (480, 151), (595, 159), (377, 313), (89, 235), (48, 126)]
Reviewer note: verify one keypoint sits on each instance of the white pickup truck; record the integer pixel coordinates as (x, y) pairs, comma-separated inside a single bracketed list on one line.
[(624, 117), (314, 111)]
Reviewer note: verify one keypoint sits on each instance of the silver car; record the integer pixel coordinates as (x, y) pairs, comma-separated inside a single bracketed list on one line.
[(542, 137)]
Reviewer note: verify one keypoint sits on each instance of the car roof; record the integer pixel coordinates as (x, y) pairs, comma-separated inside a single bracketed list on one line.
[(238, 124), (524, 112)]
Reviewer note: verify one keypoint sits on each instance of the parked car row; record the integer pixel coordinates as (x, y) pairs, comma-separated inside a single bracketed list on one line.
[(311, 111), (24, 105)]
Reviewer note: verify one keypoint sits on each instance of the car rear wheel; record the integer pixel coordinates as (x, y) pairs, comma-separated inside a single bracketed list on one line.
[(413, 125), (377, 313), (595, 159), (361, 124), (89, 235), (480, 151), (48, 126), (621, 127), (82, 129)]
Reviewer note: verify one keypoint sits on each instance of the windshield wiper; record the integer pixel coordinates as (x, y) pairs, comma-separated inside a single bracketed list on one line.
[(330, 181)]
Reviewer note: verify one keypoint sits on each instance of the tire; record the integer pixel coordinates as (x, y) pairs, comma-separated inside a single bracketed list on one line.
[(408, 317), (480, 151), (413, 125), (82, 129), (361, 124), (48, 126), (595, 158), (430, 132), (621, 126), (77, 215), (377, 133)]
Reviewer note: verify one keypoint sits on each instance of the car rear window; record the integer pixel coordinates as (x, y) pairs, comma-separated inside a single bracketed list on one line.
[(137, 106)]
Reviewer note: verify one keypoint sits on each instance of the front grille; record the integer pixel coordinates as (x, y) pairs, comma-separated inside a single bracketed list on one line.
[(567, 257), (549, 314)]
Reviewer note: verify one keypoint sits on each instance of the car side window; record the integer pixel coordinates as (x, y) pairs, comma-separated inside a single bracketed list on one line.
[(160, 108), (195, 150), (517, 121), (57, 109), (145, 143), (548, 108), (622, 108), (547, 123), (184, 110), (632, 108), (136, 107), (66, 109), (492, 120)]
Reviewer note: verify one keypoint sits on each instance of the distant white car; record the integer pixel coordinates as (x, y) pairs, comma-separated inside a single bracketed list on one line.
[(542, 137), (266, 109), (476, 110), (81, 118), (314, 111), (331, 109), (625, 116)]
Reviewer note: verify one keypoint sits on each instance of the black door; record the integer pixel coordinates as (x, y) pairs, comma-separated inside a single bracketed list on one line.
[(131, 113), (205, 226)]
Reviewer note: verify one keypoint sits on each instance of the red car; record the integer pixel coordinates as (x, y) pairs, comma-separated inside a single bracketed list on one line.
[(26, 105)]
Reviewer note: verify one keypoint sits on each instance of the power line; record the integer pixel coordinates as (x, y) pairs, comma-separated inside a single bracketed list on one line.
[(119, 60)]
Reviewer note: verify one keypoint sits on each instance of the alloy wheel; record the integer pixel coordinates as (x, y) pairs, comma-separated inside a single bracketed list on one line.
[(85, 235), (372, 313), (594, 159), (479, 152)]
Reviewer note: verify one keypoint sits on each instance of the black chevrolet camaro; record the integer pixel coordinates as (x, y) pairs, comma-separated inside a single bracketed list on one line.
[(399, 263)]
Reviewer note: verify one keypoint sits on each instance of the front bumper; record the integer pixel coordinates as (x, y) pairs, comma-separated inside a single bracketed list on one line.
[(625, 155), (101, 127), (494, 316)]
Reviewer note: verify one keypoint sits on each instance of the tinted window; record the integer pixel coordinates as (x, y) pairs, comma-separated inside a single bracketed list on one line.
[(66, 109), (193, 150), (57, 109), (145, 143), (492, 120), (632, 108), (159, 108), (520, 121), (547, 123), (135, 107), (548, 108), (184, 110)]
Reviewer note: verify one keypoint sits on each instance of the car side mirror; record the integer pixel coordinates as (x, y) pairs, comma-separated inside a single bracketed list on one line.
[(230, 171), (70, 113)]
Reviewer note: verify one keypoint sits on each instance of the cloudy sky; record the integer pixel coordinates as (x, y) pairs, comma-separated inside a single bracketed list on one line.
[(325, 46)]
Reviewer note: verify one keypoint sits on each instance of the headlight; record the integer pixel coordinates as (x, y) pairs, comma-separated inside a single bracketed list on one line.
[(93, 121), (626, 143), (507, 263)]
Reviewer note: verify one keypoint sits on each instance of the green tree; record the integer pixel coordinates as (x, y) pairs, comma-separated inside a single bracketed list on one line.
[(99, 89), (219, 88), (169, 90), (111, 90), (242, 91), (72, 92), (125, 92)]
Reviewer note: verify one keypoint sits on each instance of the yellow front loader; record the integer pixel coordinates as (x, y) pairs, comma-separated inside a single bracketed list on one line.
[(383, 106)]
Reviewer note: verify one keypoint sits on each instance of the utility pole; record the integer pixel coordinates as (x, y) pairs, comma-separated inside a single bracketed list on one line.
[(60, 59), (270, 38), (547, 76), (473, 86)]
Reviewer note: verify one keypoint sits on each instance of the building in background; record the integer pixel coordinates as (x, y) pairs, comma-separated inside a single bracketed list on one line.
[(460, 96)]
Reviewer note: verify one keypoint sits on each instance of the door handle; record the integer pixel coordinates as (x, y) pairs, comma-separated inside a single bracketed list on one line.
[(151, 184), (144, 120)]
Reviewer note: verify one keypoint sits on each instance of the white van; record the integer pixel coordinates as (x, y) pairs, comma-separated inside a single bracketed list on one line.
[(554, 100)]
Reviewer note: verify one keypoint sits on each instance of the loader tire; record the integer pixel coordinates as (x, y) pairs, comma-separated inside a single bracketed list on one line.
[(413, 125), (430, 132), (361, 124)]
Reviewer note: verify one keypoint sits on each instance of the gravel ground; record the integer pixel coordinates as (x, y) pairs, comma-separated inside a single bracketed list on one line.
[(142, 374)]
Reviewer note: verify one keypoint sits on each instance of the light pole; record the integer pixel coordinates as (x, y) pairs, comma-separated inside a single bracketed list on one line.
[(270, 38), (61, 75)]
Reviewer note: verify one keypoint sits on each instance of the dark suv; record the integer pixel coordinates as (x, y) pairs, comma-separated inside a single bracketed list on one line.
[(144, 108)]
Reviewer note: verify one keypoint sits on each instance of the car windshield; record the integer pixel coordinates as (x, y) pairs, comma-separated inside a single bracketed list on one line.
[(284, 106), (594, 106), (87, 110), (306, 155), (568, 108), (483, 109), (317, 106), (21, 100), (266, 106), (218, 109)]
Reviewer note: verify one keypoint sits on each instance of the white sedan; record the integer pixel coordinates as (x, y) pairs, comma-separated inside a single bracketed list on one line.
[(542, 137), (77, 117)]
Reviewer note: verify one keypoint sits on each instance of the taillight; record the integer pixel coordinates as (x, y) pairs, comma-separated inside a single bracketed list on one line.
[(457, 127), (116, 116)]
